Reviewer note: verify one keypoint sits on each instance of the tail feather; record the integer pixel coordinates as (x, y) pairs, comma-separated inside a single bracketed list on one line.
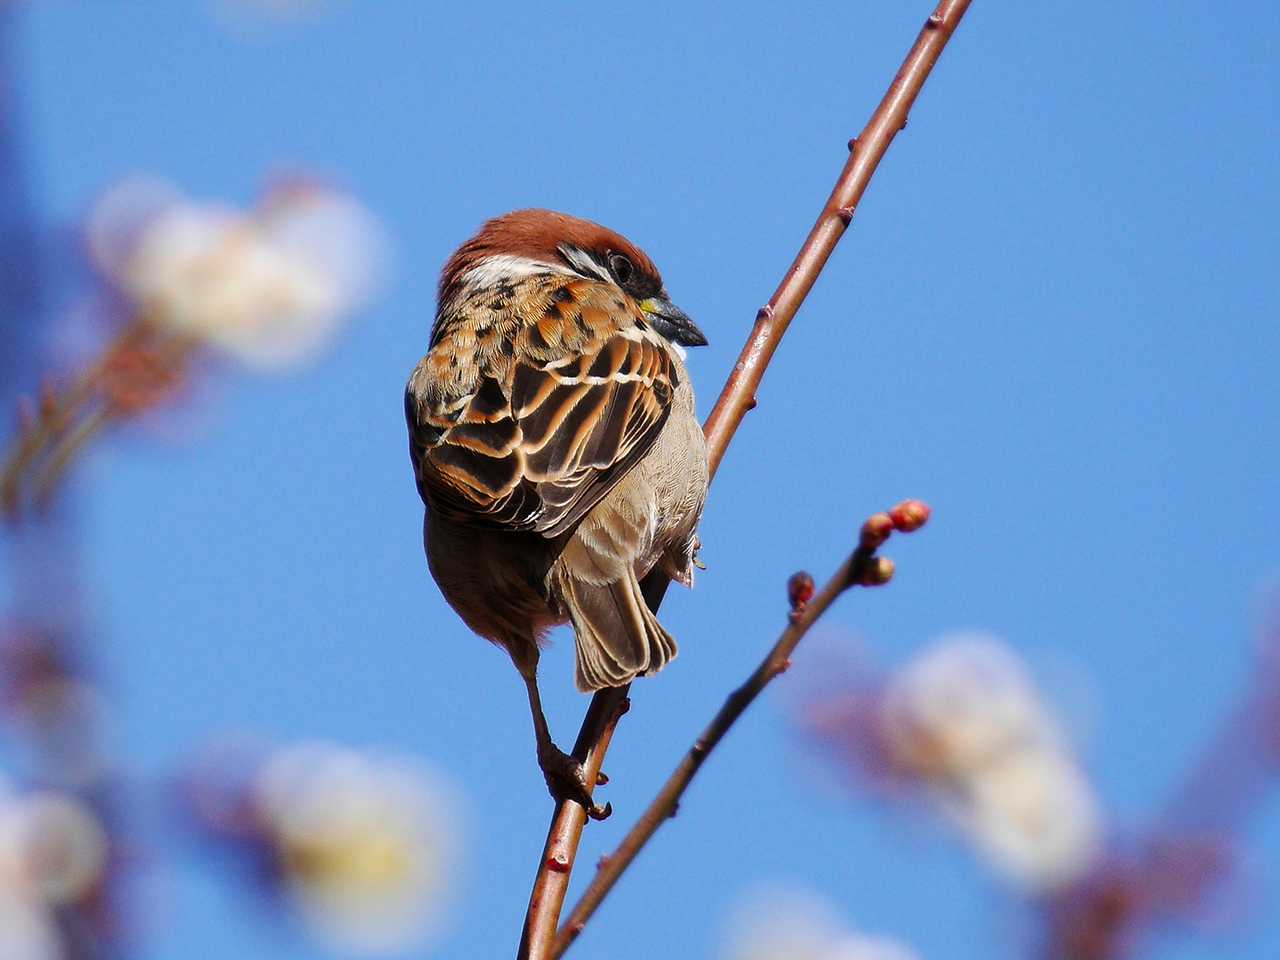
[(618, 636)]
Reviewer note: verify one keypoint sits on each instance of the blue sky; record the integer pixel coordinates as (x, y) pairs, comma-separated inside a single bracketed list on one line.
[(1055, 319)]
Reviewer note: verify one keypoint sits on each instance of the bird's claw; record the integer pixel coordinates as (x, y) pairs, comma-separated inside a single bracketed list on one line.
[(567, 780)]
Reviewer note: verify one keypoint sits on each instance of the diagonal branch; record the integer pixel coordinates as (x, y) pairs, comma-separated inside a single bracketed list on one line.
[(862, 568), (738, 396)]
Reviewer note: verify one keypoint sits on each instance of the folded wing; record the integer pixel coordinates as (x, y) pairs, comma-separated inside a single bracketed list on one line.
[(548, 413)]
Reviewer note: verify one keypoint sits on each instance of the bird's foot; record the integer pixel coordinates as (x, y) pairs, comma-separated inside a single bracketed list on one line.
[(567, 780), (693, 556)]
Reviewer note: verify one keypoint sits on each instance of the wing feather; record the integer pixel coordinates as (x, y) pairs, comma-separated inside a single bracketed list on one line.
[(531, 434)]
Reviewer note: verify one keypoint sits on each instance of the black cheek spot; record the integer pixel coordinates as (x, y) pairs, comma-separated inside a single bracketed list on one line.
[(562, 295), (498, 303)]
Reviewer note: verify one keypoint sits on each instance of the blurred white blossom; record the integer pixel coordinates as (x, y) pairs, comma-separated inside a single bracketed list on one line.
[(1034, 815), (966, 720), (270, 286), (27, 931), (366, 844), (789, 923), (53, 852)]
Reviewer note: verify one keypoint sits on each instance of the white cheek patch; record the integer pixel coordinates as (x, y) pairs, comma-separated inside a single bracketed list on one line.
[(503, 267)]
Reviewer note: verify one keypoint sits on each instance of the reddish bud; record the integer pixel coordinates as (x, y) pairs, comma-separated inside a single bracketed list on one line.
[(878, 572), (140, 378), (558, 863), (876, 530), (799, 590), (910, 515)]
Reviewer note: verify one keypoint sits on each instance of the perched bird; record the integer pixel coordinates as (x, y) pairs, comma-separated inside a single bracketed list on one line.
[(555, 445)]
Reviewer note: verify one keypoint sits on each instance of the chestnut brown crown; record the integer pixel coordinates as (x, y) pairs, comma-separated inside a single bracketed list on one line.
[(557, 239), (527, 241)]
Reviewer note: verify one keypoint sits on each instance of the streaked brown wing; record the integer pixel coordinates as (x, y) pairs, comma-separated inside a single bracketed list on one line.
[(552, 420)]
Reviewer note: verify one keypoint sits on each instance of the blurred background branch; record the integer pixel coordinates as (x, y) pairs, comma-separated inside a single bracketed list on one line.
[(62, 842), (268, 287)]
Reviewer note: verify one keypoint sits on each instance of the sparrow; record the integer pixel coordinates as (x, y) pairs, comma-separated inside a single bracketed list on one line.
[(557, 452)]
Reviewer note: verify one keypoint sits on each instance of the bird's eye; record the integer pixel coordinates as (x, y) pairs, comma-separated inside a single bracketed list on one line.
[(621, 268)]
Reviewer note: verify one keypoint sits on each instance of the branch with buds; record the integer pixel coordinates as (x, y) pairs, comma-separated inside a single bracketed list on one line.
[(863, 568), (140, 369), (265, 286), (551, 882)]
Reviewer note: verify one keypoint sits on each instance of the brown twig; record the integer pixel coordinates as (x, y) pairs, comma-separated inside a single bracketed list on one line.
[(56, 413), (862, 568), (137, 369), (738, 397)]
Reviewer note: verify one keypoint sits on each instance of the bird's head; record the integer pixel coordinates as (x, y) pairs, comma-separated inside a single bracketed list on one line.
[(526, 243)]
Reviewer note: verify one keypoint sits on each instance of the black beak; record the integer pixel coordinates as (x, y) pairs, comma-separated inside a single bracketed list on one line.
[(672, 322)]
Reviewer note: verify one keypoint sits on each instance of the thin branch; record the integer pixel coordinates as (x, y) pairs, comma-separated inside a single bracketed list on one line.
[(140, 367), (865, 152), (738, 397), (57, 412), (862, 568), (561, 848)]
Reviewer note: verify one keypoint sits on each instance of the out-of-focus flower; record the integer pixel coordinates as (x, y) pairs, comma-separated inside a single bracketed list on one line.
[(361, 841), (27, 932), (965, 723), (53, 854), (269, 286), (58, 843), (959, 705), (788, 923), (1034, 815), (363, 845)]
